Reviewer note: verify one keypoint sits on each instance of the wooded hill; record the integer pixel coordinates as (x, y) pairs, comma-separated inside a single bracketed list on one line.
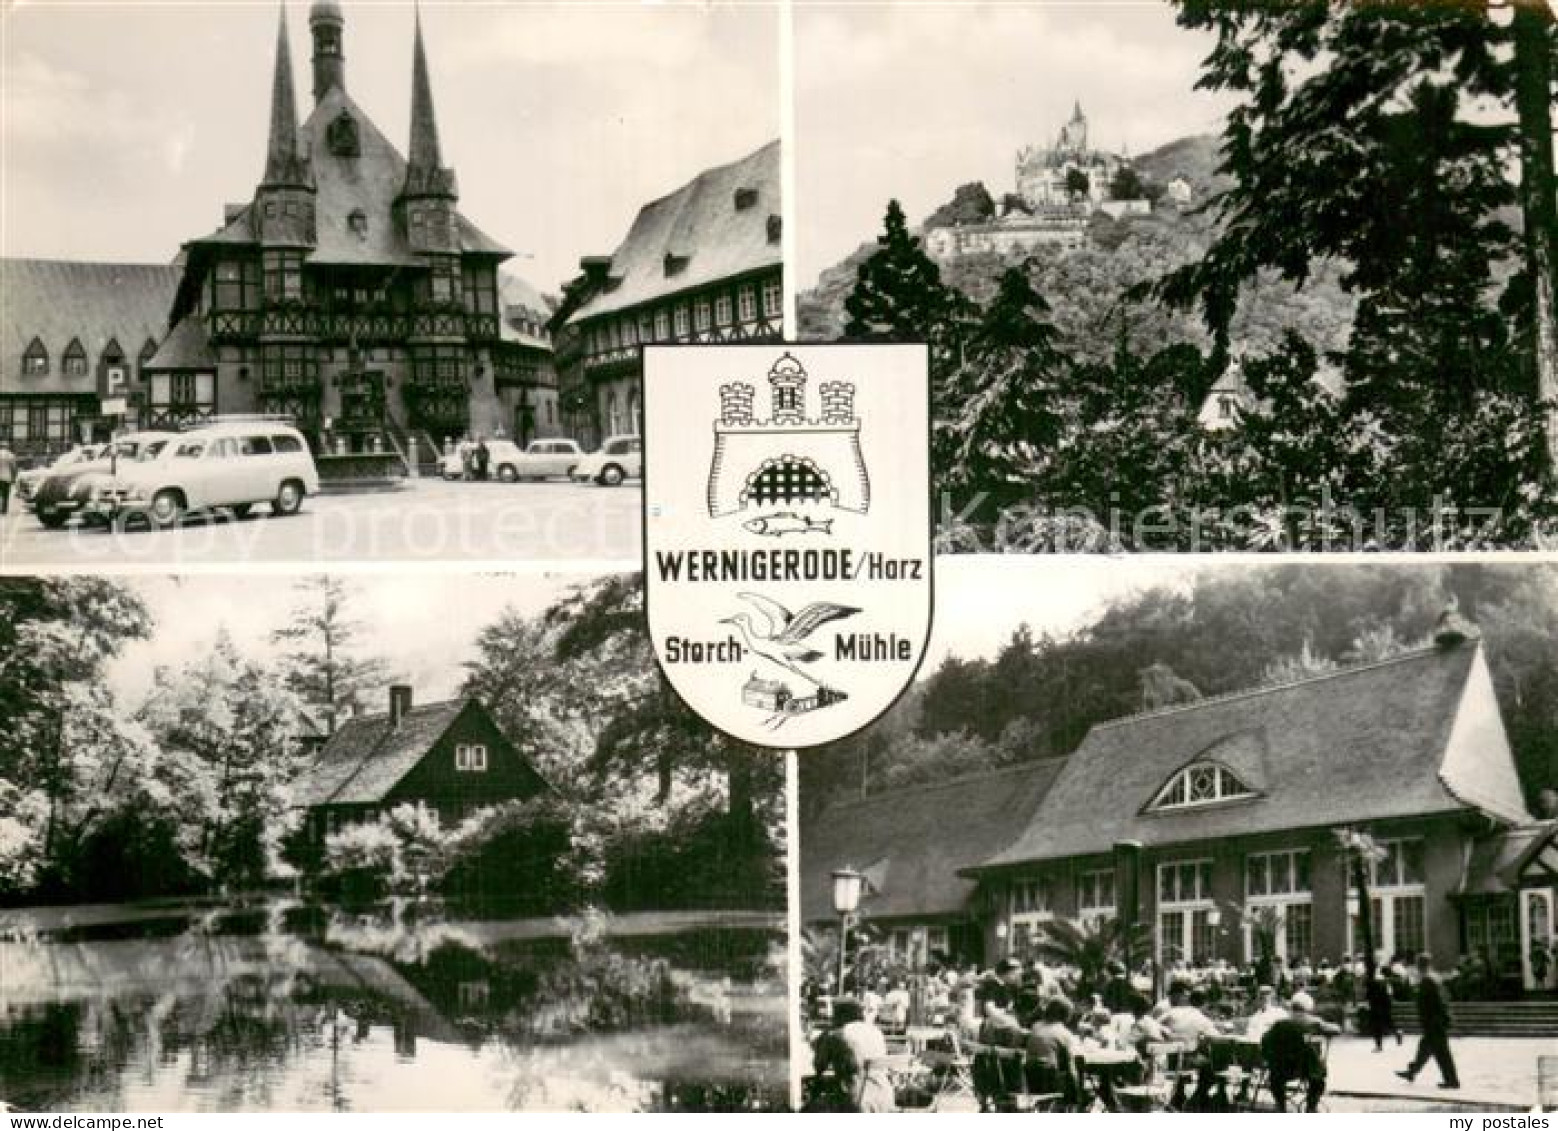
[(1084, 286)]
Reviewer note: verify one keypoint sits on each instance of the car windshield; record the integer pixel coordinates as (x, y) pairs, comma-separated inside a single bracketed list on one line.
[(192, 450)]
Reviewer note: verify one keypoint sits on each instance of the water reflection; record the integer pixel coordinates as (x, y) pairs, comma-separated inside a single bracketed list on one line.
[(291, 1007)]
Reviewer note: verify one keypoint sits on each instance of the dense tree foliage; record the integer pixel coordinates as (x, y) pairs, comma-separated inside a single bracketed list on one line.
[(1374, 293), (673, 810), (189, 789), (1225, 630)]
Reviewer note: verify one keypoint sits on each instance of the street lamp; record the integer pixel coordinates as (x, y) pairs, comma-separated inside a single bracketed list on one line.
[(846, 898)]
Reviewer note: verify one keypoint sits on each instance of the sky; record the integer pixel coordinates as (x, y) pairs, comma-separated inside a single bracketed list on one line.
[(911, 100), (423, 625), (124, 127)]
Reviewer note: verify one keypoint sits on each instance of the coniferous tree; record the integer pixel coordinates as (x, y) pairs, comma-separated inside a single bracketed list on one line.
[(899, 295), (1354, 141), (325, 667), (1005, 417)]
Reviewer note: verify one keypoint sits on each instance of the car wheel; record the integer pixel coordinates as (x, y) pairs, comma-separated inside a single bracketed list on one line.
[(611, 475), (166, 509), (242, 511), (288, 499), (52, 520), (507, 473)]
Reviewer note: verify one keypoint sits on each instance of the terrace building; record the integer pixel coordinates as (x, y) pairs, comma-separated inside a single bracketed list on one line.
[(1190, 817)]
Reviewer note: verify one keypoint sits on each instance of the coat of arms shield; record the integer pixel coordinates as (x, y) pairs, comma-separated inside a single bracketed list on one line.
[(787, 525)]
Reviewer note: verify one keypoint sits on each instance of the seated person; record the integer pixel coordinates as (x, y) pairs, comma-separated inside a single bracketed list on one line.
[(851, 1053), (895, 1006), (1184, 1019), (1289, 1055), (1144, 1029), (1187, 1024), (1267, 1013), (1052, 1051)]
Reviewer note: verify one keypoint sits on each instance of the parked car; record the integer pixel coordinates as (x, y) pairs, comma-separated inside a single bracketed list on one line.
[(63, 494), (28, 482), (225, 465), (541, 459), (619, 458), (504, 458)]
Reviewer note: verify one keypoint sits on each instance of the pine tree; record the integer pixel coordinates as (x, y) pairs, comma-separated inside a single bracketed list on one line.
[(1003, 417), (898, 295), (324, 668)]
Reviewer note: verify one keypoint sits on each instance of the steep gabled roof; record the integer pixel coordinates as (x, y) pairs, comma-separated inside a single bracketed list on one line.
[(56, 301), (700, 224), (913, 841), (366, 757), (188, 346), (1414, 735), (370, 181)]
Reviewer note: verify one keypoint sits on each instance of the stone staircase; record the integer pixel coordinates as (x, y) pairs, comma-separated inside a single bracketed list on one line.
[(1534, 1018)]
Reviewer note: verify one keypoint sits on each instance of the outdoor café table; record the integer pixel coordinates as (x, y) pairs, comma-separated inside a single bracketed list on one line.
[(1109, 1068)]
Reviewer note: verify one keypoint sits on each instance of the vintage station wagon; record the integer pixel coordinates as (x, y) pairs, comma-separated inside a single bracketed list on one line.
[(232, 465)]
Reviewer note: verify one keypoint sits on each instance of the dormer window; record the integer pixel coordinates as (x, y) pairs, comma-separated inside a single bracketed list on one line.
[(745, 198), (775, 228), (35, 361), (75, 359), (674, 264), (341, 135), (1200, 783), (357, 223)]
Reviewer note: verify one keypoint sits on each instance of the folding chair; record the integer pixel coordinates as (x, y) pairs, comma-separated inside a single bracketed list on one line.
[(953, 1067)]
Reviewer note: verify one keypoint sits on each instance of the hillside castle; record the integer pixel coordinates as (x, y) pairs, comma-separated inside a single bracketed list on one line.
[(1058, 187)]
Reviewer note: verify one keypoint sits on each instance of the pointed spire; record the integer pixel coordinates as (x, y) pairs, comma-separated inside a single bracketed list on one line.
[(425, 174), (281, 150), (1076, 112), (424, 125)]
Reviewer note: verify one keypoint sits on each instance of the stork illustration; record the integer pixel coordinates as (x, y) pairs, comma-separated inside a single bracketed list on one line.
[(781, 636)]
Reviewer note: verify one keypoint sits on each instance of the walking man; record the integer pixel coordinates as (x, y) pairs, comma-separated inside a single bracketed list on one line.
[(1433, 1011), (7, 476)]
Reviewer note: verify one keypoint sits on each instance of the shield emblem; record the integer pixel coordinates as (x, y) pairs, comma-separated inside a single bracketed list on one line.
[(787, 523)]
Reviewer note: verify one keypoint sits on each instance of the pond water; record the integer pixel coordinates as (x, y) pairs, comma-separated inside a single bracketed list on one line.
[(287, 1007)]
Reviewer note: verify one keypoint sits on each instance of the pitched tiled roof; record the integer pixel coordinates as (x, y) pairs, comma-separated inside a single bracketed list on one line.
[(365, 758), (911, 842), (187, 347), (1410, 736), (1496, 861), (58, 300), (700, 223), (370, 181), (520, 303)]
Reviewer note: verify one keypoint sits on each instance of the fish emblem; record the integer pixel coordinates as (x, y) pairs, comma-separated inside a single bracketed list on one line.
[(787, 522)]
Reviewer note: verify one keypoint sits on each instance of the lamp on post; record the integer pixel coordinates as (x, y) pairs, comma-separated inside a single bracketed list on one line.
[(846, 899)]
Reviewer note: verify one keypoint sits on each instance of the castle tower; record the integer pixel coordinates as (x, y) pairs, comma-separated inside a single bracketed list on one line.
[(735, 403), (284, 200), (328, 28), (1073, 135), (788, 381)]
